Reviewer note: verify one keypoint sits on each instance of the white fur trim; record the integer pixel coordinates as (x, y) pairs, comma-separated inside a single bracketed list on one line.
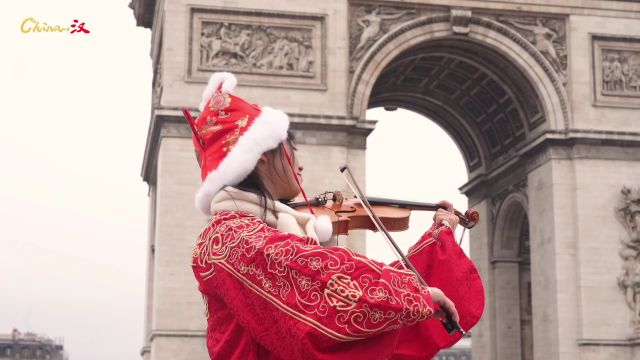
[(268, 130), (228, 81), (323, 228)]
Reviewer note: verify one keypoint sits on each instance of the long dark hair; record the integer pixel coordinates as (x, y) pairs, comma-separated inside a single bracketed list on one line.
[(254, 184)]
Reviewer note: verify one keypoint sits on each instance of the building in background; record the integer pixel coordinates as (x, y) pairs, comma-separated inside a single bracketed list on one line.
[(541, 97), (30, 346)]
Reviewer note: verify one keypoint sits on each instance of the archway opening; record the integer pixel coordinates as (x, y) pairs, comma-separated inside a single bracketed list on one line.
[(476, 94), (410, 157)]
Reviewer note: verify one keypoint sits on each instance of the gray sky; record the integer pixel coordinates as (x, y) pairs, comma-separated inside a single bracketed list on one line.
[(73, 213)]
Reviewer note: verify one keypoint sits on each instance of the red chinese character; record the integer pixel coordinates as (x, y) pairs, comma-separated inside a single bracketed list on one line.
[(80, 27)]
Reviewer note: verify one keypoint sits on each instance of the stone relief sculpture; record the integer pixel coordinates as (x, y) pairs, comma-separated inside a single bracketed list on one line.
[(628, 213), (369, 24), (548, 36), (245, 47), (620, 72)]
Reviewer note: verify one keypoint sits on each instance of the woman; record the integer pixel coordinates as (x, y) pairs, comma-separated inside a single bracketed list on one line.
[(271, 291)]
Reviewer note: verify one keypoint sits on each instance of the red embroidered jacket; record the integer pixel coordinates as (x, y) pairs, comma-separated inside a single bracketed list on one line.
[(274, 295)]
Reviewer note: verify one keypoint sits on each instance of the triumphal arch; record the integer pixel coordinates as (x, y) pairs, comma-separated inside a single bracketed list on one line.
[(542, 98)]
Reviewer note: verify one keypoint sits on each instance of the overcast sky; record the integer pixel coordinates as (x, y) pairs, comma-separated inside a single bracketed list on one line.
[(73, 213)]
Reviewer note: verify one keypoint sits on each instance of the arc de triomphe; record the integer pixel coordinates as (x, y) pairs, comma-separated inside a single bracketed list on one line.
[(542, 99)]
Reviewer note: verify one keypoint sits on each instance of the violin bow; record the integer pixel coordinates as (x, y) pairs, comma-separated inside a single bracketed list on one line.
[(449, 325)]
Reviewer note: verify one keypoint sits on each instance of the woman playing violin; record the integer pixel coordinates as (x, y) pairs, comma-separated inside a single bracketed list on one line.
[(272, 291)]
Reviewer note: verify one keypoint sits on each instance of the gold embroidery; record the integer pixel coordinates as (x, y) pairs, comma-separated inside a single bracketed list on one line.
[(243, 122), (342, 293), (338, 310), (219, 101), (418, 247), (210, 125), (223, 114), (231, 141), (311, 322)]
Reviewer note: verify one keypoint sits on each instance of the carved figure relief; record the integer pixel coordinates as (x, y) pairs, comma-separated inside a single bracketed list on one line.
[(628, 213), (263, 47), (370, 23), (616, 71), (620, 72), (547, 35), (236, 46)]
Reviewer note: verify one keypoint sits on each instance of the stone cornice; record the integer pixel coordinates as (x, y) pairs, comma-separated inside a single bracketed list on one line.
[(145, 350), (163, 123), (569, 145), (505, 260), (609, 342), (176, 333), (143, 11), (611, 8)]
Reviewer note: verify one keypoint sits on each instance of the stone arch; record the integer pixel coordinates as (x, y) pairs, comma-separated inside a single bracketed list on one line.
[(510, 310), (535, 77), (489, 32), (509, 216)]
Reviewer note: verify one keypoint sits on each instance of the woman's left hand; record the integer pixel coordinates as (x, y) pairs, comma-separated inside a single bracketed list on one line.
[(446, 217)]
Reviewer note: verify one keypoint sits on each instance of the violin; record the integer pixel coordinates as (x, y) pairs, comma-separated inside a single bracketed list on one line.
[(349, 214)]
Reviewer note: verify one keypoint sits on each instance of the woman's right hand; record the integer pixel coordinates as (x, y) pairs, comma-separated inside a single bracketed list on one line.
[(445, 305)]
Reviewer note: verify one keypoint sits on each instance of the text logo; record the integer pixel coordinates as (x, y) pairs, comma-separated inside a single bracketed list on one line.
[(31, 25)]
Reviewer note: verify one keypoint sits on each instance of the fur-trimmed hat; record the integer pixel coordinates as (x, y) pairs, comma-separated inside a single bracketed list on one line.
[(230, 135)]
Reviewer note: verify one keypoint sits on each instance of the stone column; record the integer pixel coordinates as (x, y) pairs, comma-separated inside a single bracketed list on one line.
[(551, 194), (177, 322), (506, 300), (482, 346)]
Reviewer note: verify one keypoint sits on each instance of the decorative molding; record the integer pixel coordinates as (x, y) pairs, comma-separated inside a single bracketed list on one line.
[(505, 260), (145, 350), (143, 11), (369, 23), (609, 342), (616, 71), (273, 49), (460, 19), (552, 144), (547, 34), (628, 214), (177, 333)]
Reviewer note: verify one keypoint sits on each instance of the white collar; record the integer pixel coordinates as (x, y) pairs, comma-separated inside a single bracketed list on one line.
[(279, 215)]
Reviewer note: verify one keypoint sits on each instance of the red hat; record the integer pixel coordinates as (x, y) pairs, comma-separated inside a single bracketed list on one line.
[(230, 135)]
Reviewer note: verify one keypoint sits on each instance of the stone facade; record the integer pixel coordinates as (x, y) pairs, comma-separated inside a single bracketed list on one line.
[(542, 98)]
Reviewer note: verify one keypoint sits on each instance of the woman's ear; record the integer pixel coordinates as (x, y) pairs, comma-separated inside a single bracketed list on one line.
[(263, 163), (263, 159)]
